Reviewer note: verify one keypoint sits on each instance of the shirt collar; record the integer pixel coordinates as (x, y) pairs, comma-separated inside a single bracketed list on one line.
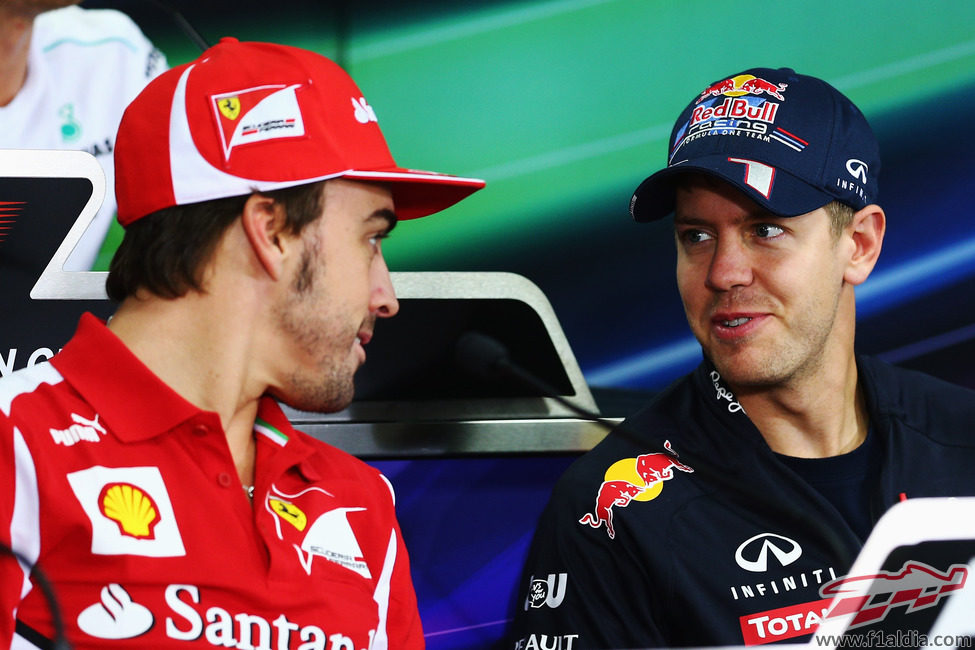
[(134, 402), (137, 405), (273, 430)]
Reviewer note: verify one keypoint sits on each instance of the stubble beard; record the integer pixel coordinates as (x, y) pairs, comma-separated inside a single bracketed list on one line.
[(749, 368), (313, 332)]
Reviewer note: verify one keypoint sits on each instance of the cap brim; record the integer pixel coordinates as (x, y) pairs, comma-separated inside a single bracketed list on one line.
[(788, 196), (418, 193)]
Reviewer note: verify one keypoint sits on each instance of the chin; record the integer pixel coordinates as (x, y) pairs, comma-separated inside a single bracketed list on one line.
[(744, 371), (319, 397)]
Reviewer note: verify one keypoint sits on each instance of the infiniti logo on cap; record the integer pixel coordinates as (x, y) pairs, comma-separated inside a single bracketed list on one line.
[(858, 169), (757, 549)]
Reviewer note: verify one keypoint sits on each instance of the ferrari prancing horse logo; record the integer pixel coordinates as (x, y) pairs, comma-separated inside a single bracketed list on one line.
[(230, 107)]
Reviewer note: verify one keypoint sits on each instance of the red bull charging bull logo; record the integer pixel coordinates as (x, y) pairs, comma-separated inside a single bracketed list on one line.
[(744, 84), (632, 479)]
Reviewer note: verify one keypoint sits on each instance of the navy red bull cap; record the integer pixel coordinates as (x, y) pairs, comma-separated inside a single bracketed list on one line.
[(255, 117), (790, 142)]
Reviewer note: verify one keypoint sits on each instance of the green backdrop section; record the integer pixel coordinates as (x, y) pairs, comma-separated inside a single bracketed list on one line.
[(563, 106)]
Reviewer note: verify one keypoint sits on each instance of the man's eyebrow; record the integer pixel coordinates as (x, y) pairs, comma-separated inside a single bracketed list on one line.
[(757, 215), (387, 215), (686, 220)]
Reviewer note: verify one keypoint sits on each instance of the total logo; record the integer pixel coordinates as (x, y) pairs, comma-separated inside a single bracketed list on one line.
[(117, 615), (632, 479)]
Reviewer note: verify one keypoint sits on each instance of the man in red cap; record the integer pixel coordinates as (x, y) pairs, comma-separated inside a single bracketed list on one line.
[(155, 480)]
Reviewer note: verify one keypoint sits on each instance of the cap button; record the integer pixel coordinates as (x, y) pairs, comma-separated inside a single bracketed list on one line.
[(229, 39)]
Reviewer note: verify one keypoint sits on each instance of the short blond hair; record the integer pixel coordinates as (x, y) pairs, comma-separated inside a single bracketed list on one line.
[(840, 216)]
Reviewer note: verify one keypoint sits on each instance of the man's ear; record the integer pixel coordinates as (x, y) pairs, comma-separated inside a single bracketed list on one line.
[(867, 233), (263, 220)]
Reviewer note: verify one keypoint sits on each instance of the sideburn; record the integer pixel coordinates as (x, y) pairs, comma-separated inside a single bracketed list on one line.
[(305, 277)]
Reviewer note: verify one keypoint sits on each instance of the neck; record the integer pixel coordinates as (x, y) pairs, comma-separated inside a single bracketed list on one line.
[(814, 417), (213, 346), (15, 33), (820, 410), (186, 343)]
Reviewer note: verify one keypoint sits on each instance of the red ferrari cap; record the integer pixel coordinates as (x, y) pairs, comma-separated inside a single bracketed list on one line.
[(248, 117)]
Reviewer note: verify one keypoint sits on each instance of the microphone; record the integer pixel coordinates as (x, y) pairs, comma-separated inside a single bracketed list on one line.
[(487, 358), (60, 640)]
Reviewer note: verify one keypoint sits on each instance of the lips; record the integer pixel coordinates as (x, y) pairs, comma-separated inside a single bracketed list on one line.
[(736, 321), (733, 325), (362, 338)]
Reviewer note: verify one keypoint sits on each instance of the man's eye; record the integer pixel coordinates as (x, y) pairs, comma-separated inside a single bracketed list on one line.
[(377, 238), (695, 236), (767, 230)]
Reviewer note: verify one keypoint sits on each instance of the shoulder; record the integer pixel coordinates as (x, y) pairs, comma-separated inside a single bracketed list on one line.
[(104, 34), (84, 25), (23, 383), (626, 458), (942, 410)]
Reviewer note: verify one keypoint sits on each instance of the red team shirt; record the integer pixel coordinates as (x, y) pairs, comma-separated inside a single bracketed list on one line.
[(127, 497)]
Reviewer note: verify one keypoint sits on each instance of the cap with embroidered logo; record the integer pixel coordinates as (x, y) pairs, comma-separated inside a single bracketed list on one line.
[(790, 142), (249, 116)]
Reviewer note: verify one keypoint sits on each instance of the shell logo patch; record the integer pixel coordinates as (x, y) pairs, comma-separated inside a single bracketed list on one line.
[(289, 513), (132, 509), (129, 509)]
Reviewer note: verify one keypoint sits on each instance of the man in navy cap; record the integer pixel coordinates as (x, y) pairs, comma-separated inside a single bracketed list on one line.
[(718, 514)]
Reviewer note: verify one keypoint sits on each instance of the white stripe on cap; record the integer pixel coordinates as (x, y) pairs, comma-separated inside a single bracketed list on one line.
[(410, 176), (194, 179)]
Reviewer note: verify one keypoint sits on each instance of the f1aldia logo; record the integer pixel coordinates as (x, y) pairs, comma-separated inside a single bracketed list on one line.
[(753, 554)]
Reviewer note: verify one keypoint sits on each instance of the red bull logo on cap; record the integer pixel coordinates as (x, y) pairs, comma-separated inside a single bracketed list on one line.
[(744, 84), (632, 479)]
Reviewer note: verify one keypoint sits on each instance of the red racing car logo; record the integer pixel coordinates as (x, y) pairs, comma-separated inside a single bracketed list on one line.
[(871, 598)]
